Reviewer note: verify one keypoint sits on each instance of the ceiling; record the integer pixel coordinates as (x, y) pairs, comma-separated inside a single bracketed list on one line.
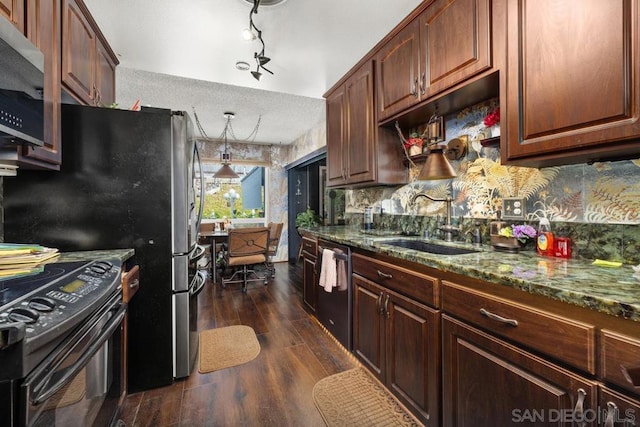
[(182, 55)]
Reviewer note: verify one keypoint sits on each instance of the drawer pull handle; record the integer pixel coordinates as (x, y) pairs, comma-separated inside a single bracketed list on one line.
[(379, 303), (497, 318), (579, 409), (384, 275), (632, 375), (612, 414), (134, 284), (386, 306)]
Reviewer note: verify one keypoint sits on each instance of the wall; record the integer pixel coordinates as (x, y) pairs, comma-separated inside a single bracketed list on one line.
[(598, 205)]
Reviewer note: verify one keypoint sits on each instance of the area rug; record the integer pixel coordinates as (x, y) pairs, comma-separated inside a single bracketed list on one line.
[(225, 347), (355, 398)]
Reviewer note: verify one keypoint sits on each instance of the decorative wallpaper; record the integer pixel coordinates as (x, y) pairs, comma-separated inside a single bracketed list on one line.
[(579, 200)]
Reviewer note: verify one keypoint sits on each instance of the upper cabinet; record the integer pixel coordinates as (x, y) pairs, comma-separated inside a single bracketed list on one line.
[(357, 154), (43, 29), (572, 81), (446, 44), (13, 10), (88, 63)]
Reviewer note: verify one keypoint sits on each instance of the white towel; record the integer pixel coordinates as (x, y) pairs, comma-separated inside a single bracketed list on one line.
[(328, 271)]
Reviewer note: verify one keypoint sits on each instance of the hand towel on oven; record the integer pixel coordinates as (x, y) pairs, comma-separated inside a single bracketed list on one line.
[(328, 270), (341, 262)]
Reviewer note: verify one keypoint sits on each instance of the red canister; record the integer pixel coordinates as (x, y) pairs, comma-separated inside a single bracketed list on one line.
[(562, 247)]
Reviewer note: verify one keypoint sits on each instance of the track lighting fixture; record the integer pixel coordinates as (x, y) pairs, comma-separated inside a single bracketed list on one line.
[(252, 33)]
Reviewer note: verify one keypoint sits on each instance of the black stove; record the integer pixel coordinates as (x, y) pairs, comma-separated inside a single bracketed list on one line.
[(38, 309)]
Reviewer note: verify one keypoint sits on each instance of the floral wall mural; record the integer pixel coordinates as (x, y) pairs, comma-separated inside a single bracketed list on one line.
[(577, 199)]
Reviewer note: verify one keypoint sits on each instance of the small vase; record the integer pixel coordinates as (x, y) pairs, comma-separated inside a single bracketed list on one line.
[(415, 150)]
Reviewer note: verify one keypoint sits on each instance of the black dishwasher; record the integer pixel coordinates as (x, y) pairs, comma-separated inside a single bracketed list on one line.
[(334, 305)]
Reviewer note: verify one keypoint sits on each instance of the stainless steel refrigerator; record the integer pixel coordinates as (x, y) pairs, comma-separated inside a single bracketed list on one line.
[(128, 180)]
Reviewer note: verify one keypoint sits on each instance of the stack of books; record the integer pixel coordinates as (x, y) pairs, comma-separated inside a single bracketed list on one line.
[(24, 259)]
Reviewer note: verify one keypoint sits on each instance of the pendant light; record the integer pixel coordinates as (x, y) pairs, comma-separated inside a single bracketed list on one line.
[(225, 158)]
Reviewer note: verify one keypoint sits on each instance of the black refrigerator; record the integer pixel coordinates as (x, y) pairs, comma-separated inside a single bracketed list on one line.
[(129, 179)]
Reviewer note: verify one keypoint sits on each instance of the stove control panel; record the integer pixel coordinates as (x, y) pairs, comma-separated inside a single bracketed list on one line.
[(69, 296)]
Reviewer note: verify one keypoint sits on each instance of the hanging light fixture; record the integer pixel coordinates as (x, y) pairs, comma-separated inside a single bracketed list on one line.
[(252, 33), (225, 157), (436, 166)]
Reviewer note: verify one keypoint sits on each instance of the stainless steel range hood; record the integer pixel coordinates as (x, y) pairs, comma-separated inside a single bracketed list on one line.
[(21, 77)]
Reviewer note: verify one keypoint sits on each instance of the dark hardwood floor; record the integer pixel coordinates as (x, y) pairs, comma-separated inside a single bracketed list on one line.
[(274, 389)]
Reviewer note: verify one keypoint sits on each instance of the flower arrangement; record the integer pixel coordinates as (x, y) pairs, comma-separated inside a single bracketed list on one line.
[(413, 141), (521, 232), (493, 118)]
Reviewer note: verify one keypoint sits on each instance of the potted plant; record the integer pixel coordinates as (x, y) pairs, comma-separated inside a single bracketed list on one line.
[(307, 219), (413, 145)]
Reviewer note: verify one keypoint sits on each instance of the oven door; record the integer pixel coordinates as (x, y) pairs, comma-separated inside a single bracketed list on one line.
[(81, 382)]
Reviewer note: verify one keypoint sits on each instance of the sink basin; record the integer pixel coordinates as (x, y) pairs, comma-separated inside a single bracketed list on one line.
[(432, 248)]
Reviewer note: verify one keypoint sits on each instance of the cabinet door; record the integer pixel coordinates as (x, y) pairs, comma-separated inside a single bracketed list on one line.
[(455, 39), (13, 10), (619, 410), (413, 362), (105, 77), (488, 382), (572, 81), (368, 326), (310, 284), (43, 29), (336, 132), (397, 71), (78, 52), (361, 142)]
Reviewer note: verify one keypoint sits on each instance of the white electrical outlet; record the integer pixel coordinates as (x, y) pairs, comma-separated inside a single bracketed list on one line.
[(513, 208)]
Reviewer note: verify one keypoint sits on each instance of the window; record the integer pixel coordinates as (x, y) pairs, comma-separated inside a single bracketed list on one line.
[(239, 198)]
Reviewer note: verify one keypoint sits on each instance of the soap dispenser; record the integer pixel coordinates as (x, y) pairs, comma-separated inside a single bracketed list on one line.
[(545, 238)]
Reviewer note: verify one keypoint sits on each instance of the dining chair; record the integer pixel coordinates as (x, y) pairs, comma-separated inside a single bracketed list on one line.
[(275, 230), (246, 247)]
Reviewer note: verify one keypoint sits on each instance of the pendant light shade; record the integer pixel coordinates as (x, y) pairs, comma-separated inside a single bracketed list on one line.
[(226, 172), (225, 158), (436, 167)]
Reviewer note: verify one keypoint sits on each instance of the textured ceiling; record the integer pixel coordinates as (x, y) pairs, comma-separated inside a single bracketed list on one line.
[(193, 45)]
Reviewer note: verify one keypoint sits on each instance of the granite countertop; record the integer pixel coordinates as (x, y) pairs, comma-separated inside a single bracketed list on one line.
[(121, 254), (614, 291)]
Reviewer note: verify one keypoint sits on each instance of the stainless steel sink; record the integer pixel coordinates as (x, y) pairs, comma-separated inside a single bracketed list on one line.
[(432, 248)]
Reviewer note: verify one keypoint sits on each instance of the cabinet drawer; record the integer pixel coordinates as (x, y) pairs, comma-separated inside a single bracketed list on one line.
[(416, 285), (620, 409), (310, 245), (565, 339), (620, 360), (130, 283)]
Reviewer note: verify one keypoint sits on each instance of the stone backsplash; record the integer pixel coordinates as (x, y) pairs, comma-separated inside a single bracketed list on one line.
[(597, 206)]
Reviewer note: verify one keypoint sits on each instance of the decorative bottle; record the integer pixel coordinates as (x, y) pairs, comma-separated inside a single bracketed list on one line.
[(545, 238)]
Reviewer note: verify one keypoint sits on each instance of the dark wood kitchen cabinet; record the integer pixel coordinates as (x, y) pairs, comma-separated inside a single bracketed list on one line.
[(572, 81), (310, 273), (397, 338), (13, 10), (449, 42), (617, 409), (88, 63), (489, 382), (351, 130), (43, 29), (358, 153)]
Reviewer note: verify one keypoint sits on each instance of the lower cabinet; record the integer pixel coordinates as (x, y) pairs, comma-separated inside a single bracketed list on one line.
[(617, 410), (310, 273), (489, 382), (397, 339)]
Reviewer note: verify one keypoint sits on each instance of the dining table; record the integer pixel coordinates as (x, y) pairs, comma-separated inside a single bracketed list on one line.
[(215, 237)]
